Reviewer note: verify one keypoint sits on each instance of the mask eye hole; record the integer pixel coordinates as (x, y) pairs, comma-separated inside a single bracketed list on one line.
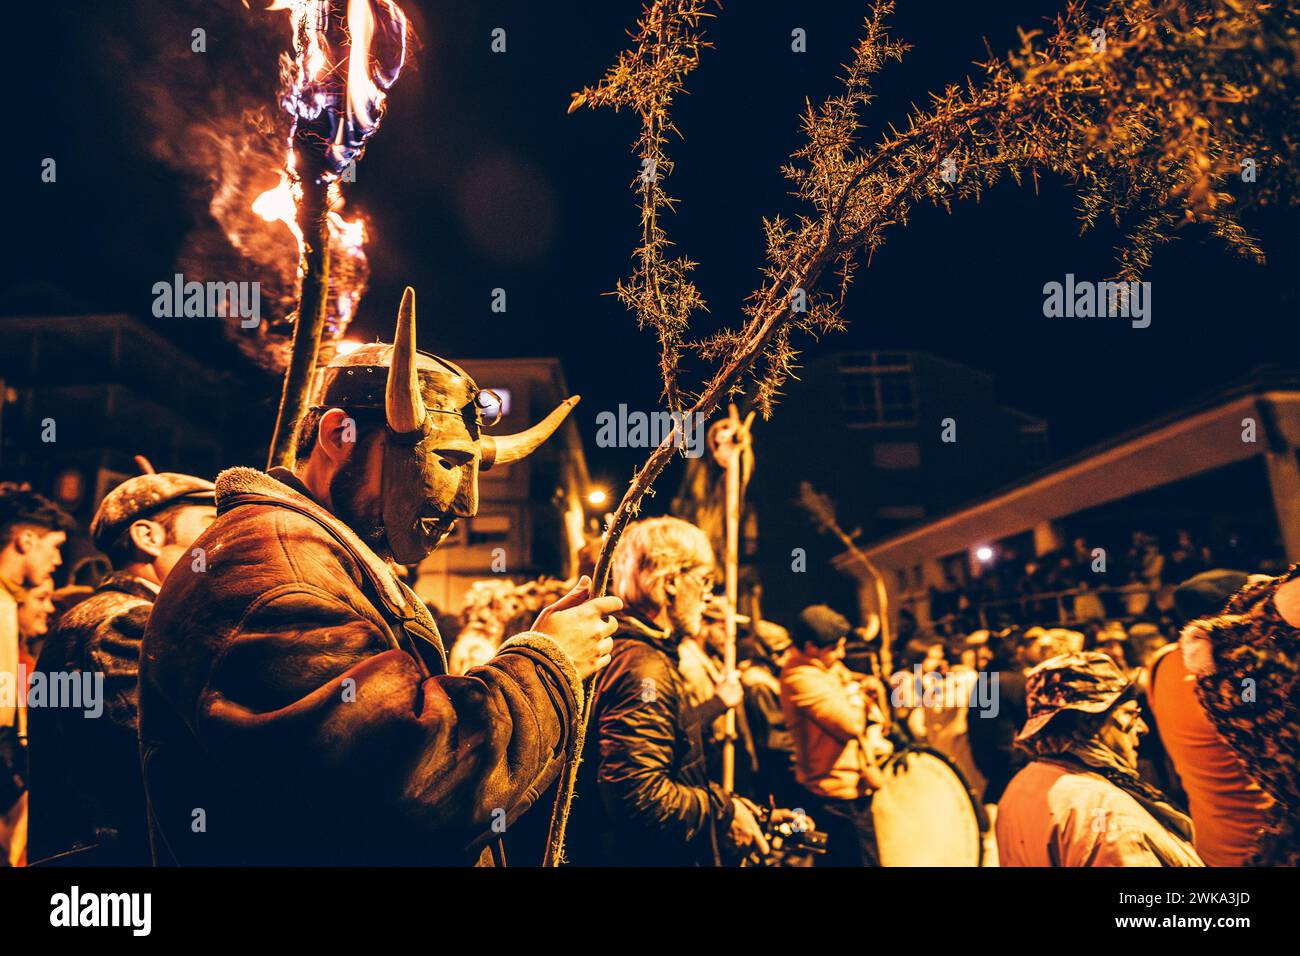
[(490, 405)]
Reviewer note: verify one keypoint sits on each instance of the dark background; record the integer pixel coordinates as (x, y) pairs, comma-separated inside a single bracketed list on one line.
[(479, 180)]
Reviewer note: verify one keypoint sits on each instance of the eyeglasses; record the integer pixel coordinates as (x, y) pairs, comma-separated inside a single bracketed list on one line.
[(701, 577)]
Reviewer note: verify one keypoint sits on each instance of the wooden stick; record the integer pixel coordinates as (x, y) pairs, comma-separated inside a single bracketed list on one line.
[(731, 562), (313, 221)]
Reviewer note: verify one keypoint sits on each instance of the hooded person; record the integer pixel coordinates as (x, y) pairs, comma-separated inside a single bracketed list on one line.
[(87, 801), (1080, 801), (295, 702), (1245, 661)]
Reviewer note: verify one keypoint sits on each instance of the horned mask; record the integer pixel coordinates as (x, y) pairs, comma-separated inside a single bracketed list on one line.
[(434, 444)]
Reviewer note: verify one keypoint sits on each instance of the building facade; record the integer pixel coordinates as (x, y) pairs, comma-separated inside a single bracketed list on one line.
[(894, 438)]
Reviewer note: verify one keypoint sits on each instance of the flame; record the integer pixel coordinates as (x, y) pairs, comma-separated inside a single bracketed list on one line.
[(336, 83), (335, 87), (280, 204)]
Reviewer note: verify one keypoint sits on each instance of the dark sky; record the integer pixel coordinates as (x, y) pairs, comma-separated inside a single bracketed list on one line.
[(478, 179)]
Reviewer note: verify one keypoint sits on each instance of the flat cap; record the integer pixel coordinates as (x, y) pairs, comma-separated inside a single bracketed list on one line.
[(1205, 594), (142, 496), (821, 626)]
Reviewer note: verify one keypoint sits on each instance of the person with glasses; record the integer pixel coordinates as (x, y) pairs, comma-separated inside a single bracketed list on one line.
[(1080, 801), (644, 796)]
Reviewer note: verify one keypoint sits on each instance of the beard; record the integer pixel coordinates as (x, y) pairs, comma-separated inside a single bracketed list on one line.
[(355, 505), (685, 615)]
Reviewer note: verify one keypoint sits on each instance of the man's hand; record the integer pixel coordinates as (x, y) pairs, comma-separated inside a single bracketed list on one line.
[(745, 832), (729, 690), (581, 627), (799, 821)]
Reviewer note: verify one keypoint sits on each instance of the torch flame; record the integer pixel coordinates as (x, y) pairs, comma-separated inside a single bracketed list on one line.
[(339, 102), (336, 106)]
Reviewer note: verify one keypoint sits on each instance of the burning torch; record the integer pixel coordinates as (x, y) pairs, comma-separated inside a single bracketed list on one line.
[(347, 55)]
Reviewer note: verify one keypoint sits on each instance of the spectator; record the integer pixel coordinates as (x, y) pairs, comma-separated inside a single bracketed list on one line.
[(992, 736), (34, 615), (1080, 802), (760, 676), (32, 530), (838, 722), (87, 788), (649, 800), (1229, 809)]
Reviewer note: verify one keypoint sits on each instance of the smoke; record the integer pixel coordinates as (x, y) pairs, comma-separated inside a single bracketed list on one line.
[(213, 115)]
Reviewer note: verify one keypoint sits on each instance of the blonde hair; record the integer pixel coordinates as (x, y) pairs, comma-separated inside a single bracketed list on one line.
[(652, 549)]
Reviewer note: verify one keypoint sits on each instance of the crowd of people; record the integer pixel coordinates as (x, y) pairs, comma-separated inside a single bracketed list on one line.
[(1086, 581), (255, 683), (1101, 727), (1100, 749)]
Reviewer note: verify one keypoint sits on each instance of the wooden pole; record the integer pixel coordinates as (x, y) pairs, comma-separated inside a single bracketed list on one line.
[(729, 439), (731, 562), (313, 221)]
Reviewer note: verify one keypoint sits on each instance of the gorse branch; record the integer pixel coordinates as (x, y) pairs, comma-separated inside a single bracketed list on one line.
[(666, 48)]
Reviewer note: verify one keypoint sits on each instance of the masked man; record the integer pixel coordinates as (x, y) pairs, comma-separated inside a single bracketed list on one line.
[(295, 706), (644, 796), (87, 796)]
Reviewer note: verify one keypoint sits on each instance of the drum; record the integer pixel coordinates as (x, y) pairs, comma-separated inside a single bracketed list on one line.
[(925, 814)]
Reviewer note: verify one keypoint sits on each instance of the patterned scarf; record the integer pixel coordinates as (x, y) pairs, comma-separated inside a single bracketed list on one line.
[(1247, 665), (1080, 749)]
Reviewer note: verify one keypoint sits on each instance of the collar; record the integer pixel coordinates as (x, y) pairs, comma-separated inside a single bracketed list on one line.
[(124, 583), (795, 657), (636, 627), (281, 486)]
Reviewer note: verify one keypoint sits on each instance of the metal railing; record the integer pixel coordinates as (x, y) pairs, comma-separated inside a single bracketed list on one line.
[(1125, 602)]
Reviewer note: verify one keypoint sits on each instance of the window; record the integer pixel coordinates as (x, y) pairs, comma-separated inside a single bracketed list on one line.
[(878, 389)]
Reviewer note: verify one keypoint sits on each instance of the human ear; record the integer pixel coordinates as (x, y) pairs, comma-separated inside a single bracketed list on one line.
[(148, 536), (336, 435)]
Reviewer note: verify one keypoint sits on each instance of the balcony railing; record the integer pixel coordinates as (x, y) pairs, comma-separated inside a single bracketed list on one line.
[(1126, 602)]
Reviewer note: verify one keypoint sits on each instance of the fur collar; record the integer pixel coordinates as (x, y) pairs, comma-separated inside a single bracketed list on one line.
[(236, 483)]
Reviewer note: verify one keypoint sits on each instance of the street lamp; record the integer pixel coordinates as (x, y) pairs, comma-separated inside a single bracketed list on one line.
[(597, 497)]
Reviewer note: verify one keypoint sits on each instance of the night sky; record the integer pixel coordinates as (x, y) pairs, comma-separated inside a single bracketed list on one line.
[(478, 179)]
